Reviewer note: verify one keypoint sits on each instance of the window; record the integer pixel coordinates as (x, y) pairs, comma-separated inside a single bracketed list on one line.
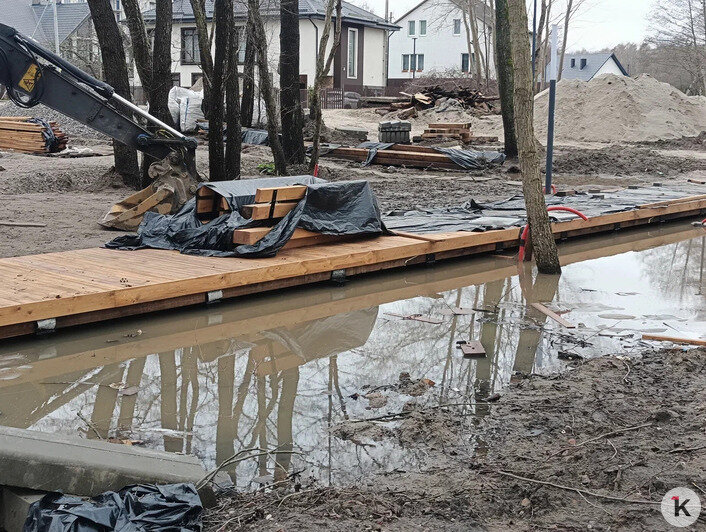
[(411, 28), (190, 47), (465, 64), (352, 54), (412, 62), (457, 26), (240, 36), (573, 63), (422, 28), (583, 63), (176, 79)]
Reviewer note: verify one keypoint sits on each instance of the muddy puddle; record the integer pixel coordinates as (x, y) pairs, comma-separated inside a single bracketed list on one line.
[(285, 370)]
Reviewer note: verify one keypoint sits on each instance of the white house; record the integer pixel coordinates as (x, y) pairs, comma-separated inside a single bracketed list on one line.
[(585, 67), (434, 38), (358, 65)]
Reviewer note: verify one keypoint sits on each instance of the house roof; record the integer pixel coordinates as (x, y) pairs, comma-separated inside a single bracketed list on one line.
[(479, 11), (182, 12), (37, 21), (594, 62)]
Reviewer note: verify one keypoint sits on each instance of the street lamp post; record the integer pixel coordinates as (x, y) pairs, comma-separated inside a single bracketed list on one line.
[(414, 57)]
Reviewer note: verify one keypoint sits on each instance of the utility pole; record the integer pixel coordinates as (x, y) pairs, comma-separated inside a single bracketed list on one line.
[(56, 30), (552, 105)]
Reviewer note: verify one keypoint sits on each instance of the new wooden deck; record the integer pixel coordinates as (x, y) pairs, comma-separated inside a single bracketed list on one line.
[(90, 285)]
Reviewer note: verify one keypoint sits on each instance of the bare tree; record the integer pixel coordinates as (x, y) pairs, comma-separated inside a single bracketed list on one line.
[(248, 101), (116, 75), (233, 128), (289, 96), (572, 7), (506, 84), (323, 67), (260, 39), (542, 238), (222, 19)]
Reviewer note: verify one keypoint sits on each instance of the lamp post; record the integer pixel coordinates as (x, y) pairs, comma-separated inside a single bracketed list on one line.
[(414, 58)]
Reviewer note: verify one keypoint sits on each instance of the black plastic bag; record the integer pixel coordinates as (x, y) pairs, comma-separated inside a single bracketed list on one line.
[(168, 508)]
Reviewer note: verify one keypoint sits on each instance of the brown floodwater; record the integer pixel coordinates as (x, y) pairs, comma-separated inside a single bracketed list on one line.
[(279, 370)]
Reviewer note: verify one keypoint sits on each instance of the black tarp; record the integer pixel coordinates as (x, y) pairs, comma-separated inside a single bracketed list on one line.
[(468, 159), (172, 507), (343, 208)]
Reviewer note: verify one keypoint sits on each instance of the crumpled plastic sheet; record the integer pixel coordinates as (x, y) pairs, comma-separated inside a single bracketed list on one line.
[(342, 208), (50, 140), (171, 507), (468, 159), (259, 137)]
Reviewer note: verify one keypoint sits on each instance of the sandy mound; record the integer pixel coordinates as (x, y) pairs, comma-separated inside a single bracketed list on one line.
[(612, 108)]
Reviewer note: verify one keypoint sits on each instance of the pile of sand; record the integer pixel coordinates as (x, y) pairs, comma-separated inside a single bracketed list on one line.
[(612, 108)]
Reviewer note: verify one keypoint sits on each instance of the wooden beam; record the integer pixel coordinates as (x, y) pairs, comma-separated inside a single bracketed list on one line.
[(673, 339), (266, 195), (265, 211), (253, 235), (553, 315)]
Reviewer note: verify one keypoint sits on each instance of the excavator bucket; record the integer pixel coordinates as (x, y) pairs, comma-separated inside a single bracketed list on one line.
[(127, 214)]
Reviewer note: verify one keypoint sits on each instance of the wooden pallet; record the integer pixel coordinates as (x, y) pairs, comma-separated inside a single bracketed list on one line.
[(17, 134)]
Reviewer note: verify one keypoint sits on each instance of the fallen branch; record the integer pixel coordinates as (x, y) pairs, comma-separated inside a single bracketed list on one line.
[(21, 224), (579, 490), (409, 412), (91, 426)]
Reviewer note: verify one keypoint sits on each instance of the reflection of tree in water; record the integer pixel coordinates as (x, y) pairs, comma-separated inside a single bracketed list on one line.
[(677, 268), (284, 388)]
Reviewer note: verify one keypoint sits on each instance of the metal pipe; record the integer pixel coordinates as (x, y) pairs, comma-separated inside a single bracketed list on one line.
[(56, 30), (147, 116), (316, 39), (552, 106)]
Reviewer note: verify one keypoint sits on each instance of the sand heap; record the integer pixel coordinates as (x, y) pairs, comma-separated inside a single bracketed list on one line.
[(614, 108)]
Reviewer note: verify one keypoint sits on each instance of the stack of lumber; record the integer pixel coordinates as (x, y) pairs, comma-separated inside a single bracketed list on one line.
[(19, 134), (455, 131), (399, 155), (409, 104)]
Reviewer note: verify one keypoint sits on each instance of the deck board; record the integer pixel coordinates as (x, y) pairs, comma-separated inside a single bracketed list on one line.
[(90, 281)]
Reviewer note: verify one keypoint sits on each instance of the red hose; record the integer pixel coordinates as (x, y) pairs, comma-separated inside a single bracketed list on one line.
[(316, 171), (525, 230), (544, 189)]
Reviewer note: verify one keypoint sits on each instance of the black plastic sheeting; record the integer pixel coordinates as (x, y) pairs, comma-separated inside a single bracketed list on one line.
[(256, 136), (468, 159), (172, 507), (50, 140), (510, 212), (343, 208)]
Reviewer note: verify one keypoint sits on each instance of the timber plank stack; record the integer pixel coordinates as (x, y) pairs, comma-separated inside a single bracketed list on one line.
[(444, 131), (20, 134), (399, 155)]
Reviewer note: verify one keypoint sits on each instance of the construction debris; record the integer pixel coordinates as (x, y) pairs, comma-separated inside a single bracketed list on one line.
[(31, 135), (460, 131), (435, 96)]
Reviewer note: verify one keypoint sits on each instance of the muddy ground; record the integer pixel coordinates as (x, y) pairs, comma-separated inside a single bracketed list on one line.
[(69, 196), (594, 448)]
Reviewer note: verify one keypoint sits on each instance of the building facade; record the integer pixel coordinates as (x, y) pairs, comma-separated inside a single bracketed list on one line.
[(434, 38), (359, 64)]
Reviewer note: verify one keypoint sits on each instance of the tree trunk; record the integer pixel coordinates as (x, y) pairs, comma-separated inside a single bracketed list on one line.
[(266, 87), (216, 155), (115, 72), (542, 238), (289, 96), (199, 9), (506, 85), (567, 19), (233, 135), (162, 63), (323, 67), (473, 21), (140, 43), (537, 52), (248, 105)]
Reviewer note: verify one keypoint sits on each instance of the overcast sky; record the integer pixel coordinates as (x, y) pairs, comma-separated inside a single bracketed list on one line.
[(602, 24)]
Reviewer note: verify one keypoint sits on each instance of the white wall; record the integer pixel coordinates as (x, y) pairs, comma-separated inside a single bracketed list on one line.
[(610, 67), (374, 57), (441, 48)]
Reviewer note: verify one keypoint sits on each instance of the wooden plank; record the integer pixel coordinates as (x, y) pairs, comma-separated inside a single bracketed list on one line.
[(673, 339), (253, 235), (460, 125), (672, 201), (295, 192), (553, 315), (264, 211)]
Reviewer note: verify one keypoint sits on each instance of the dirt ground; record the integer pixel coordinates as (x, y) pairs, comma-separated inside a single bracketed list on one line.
[(594, 448), (69, 196)]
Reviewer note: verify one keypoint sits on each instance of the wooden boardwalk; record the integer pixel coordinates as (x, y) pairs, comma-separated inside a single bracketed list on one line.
[(69, 288)]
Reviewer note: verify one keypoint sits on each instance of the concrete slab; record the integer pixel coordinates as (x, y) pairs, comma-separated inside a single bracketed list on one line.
[(51, 462), (14, 507)]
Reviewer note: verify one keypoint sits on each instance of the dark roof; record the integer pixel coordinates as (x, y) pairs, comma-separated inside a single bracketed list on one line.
[(37, 21), (182, 12), (594, 62)]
